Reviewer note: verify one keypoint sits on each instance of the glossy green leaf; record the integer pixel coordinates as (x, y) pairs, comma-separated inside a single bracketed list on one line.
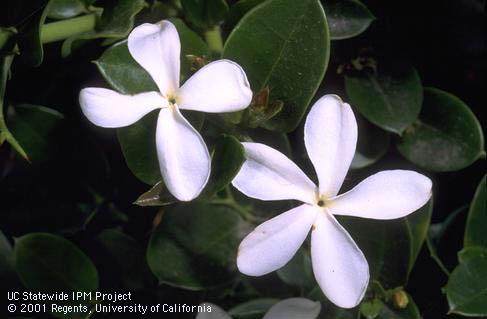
[(158, 195), (466, 290), (390, 246), (285, 45), (372, 144), (134, 271), (347, 18), (195, 246), (48, 262), (475, 233), (238, 11), (138, 143), (34, 127), (390, 97), (447, 136), (5, 134), (115, 22), (227, 158), (252, 309), (205, 13), (298, 271), (473, 251), (64, 9), (29, 39)]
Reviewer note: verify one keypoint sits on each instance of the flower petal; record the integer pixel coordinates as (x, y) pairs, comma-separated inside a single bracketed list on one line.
[(156, 47), (220, 86), (268, 174), (340, 267), (183, 155), (273, 243), (385, 195), (108, 108), (293, 308), (330, 136)]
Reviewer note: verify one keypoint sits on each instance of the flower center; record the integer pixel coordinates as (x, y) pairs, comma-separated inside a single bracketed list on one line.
[(321, 203)]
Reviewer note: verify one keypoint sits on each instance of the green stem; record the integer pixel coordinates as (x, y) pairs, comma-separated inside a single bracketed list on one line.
[(435, 256), (229, 201), (214, 40), (64, 29)]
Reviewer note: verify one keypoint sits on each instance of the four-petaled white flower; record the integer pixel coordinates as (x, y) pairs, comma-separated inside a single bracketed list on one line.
[(220, 86), (339, 266)]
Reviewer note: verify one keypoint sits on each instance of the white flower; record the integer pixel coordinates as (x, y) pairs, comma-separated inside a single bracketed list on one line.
[(339, 266), (220, 86)]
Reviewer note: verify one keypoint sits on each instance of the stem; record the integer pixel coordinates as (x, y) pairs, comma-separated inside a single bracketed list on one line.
[(214, 40), (64, 29), (435, 256), (230, 202)]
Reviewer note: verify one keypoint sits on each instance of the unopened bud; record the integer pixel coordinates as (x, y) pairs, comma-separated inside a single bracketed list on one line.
[(400, 299)]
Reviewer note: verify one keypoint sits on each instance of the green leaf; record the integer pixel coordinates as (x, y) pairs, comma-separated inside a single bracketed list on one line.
[(283, 45), (34, 126), (347, 18), (64, 9), (138, 143), (8, 277), (116, 22), (371, 146), (252, 309), (372, 308), (5, 134), (158, 195), (195, 246), (475, 234), (411, 311), (29, 40), (447, 136), (390, 96), (390, 246), (205, 14), (227, 158), (298, 271), (122, 72), (49, 263), (466, 290), (468, 252), (238, 11), (134, 270)]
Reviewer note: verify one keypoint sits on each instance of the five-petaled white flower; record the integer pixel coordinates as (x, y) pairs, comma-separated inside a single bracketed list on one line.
[(339, 266), (220, 86)]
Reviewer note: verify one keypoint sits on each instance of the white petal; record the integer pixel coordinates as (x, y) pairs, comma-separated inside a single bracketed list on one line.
[(108, 108), (385, 195), (293, 308), (273, 243), (183, 155), (268, 174), (220, 86), (330, 136), (340, 267), (156, 48), (214, 313)]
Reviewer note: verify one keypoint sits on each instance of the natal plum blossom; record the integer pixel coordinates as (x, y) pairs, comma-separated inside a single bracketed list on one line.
[(220, 86), (340, 268)]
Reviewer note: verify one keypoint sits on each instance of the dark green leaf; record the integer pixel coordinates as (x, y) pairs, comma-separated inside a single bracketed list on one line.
[(411, 311), (116, 22), (347, 18), (283, 44), (205, 14), (468, 252), (372, 308), (227, 158), (252, 309), (122, 72), (390, 96), (158, 195), (29, 40), (475, 234), (195, 246), (417, 225), (33, 126), (466, 290), (64, 9), (298, 271), (371, 146), (447, 136), (128, 258), (8, 277), (238, 11)]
